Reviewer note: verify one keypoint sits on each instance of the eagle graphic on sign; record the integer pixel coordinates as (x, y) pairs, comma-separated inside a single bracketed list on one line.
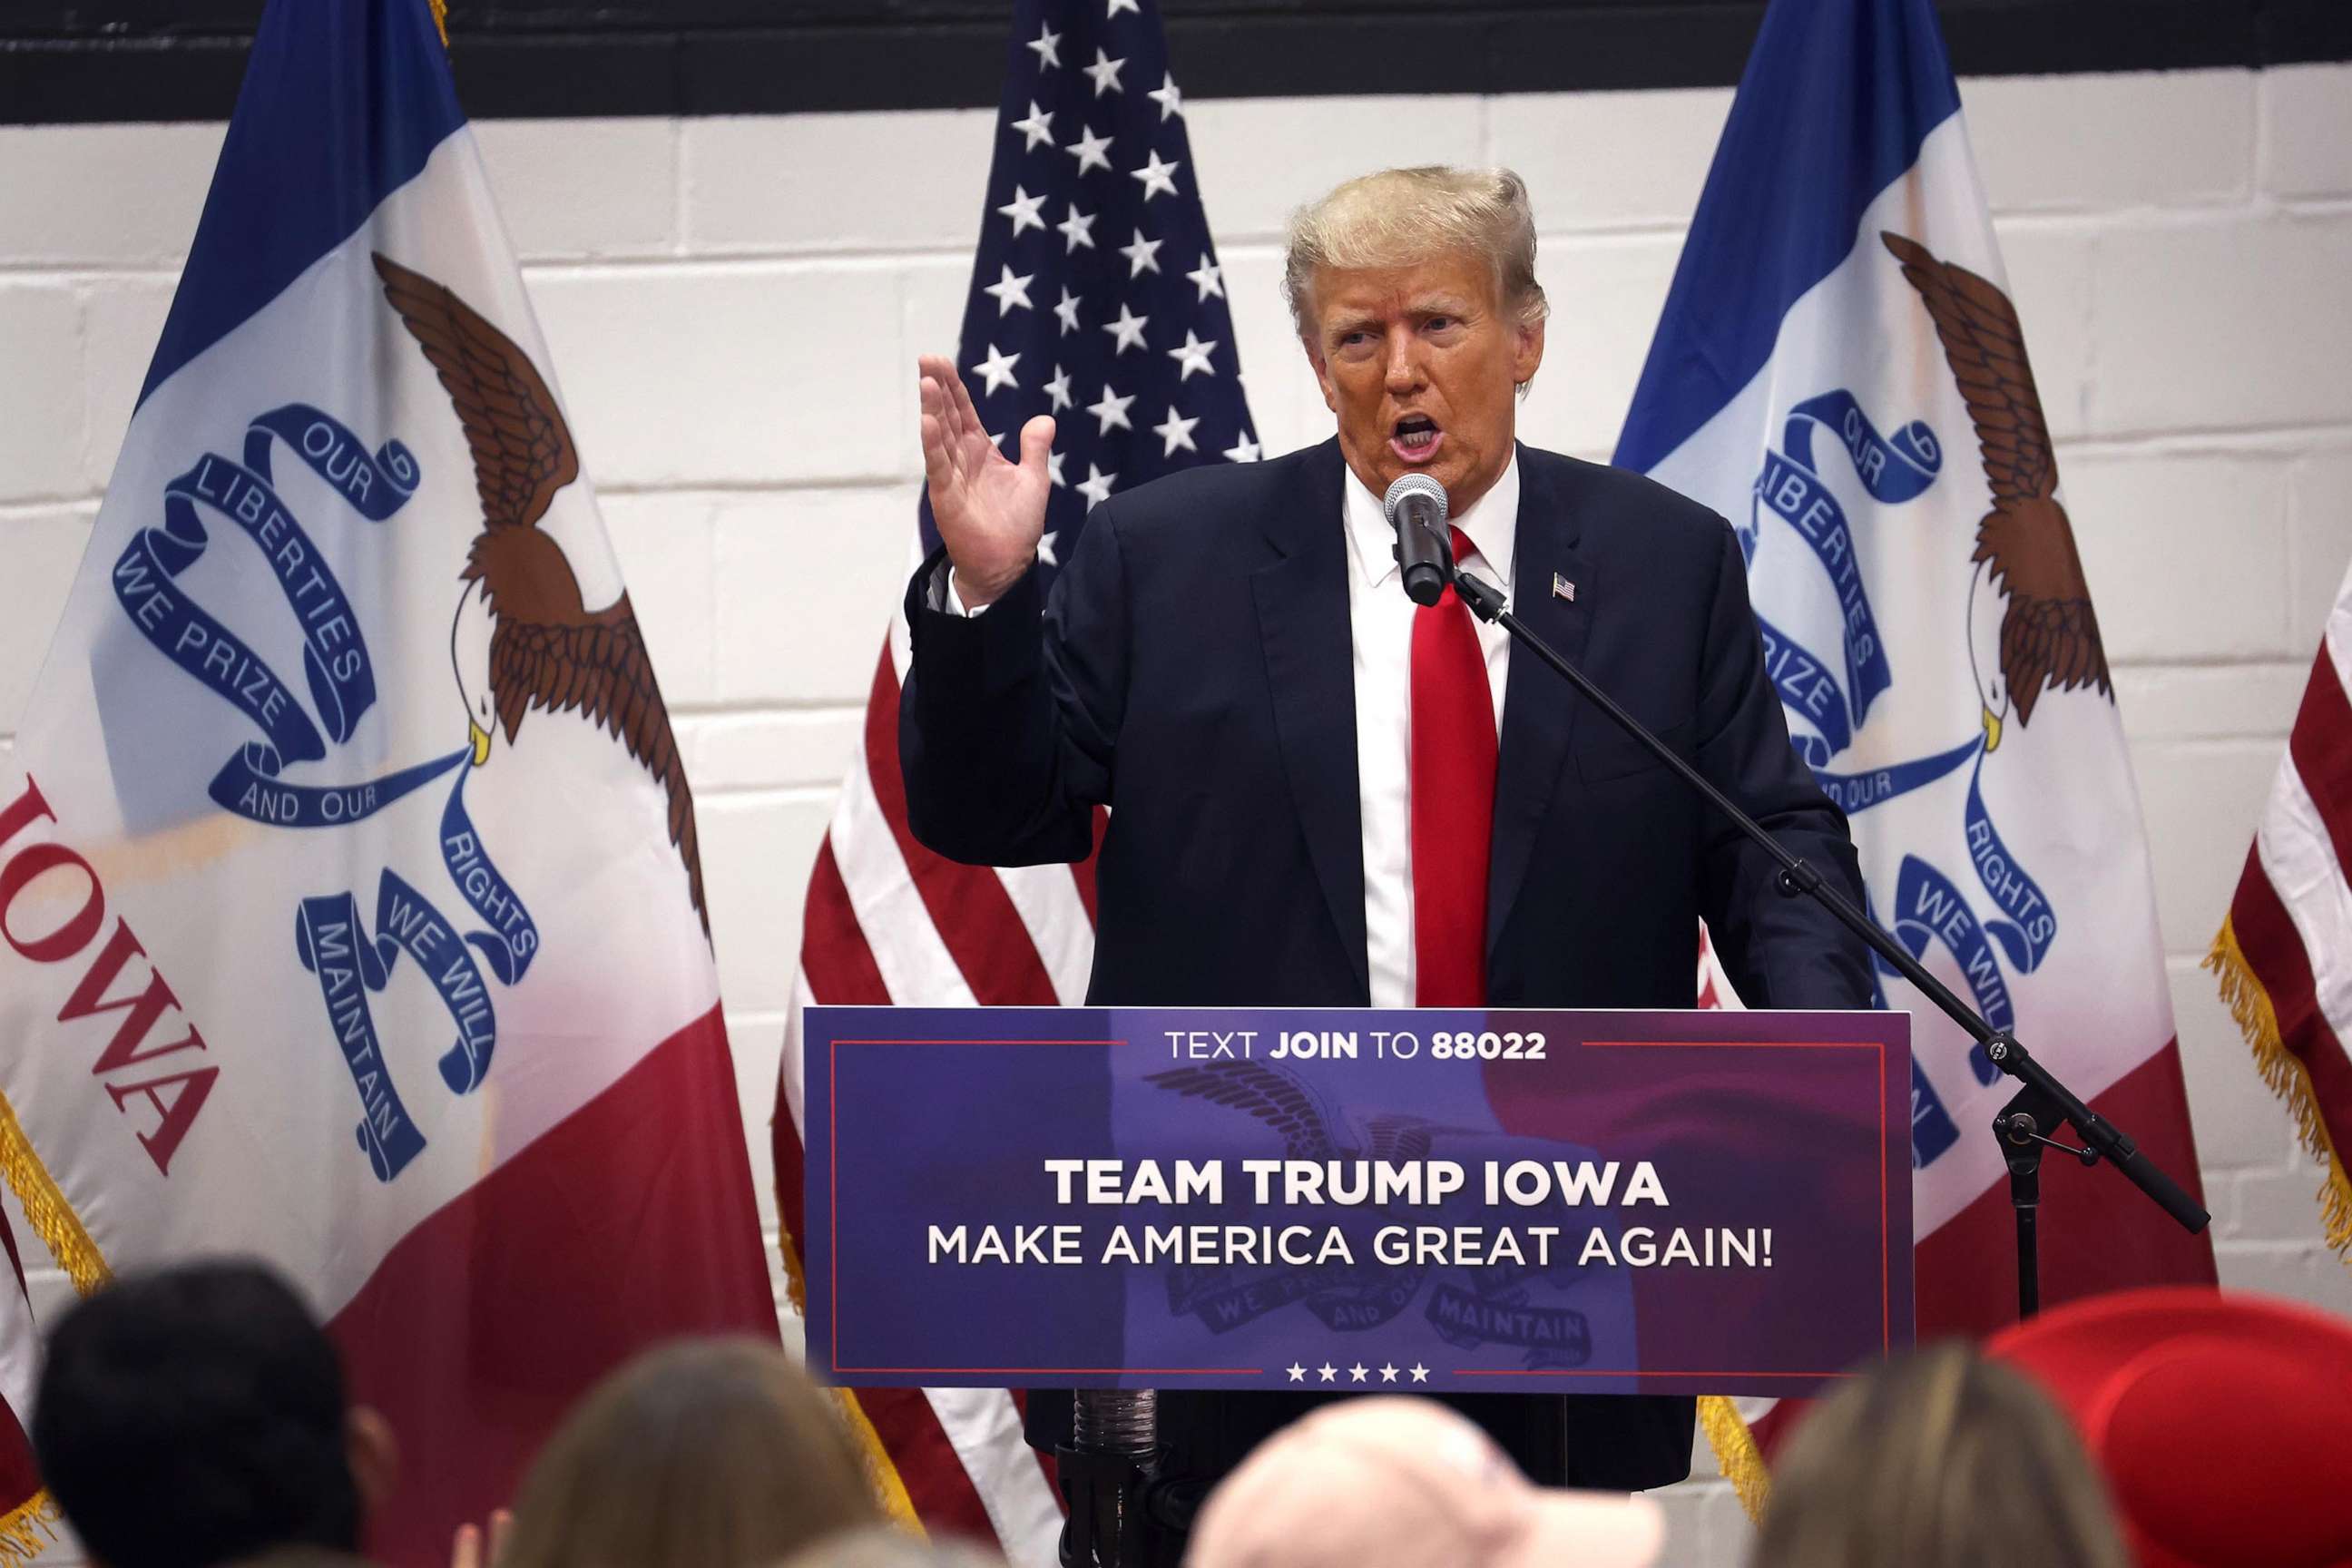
[(2029, 607), (522, 638)]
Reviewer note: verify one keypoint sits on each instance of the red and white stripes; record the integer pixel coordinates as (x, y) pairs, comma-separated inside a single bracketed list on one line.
[(2284, 952), (888, 921)]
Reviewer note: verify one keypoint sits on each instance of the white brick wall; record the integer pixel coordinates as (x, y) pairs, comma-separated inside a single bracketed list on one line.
[(735, 306)]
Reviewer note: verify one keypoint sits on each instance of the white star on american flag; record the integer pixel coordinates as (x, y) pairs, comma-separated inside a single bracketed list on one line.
[(1049, 56), (1104, 73), (1058, 389), (1115, 6), (1089, 149), (1157, 176), (1009, 291), (1022, 209), (1141, 256), (1077, 229), (1167, 97), (1110, 409), (1209, 278), (1244, 450), (1046, 547), (1096, 486), (1127, 331), (1194, 355), (1068, 311), (997, 368), (1175, 431), (1038, 127), (1053, 471)]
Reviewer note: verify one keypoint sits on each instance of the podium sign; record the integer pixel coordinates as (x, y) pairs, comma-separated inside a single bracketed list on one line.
[(1347, 1199)]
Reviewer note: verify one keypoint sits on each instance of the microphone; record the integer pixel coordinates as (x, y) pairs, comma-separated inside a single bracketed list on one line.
[(1416, 508)]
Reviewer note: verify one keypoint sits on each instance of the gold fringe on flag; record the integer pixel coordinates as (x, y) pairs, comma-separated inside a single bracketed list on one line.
[(52, 1218), (2284, 1072), (889, 1489), (1736, 1454), (441, 19), (29, 1529)]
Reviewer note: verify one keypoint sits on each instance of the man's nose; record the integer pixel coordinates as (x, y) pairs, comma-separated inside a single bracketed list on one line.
[(1404, 367)]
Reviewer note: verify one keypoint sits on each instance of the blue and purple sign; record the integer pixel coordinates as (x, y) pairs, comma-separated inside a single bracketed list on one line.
[(1337, 1199)]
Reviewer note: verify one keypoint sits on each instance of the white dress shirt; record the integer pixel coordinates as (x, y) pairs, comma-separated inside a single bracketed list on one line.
[(1381, 624), (1379, 620)]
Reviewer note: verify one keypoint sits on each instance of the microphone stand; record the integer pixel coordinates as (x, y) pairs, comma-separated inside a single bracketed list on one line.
[(2038, 1106)]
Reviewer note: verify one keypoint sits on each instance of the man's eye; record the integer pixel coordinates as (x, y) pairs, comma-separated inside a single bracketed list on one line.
[(1440, 323)]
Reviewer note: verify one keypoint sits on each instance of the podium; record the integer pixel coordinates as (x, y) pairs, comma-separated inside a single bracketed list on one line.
[(1356, 1201)]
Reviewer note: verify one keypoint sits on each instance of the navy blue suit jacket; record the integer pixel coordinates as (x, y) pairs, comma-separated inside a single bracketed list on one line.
[(1193, 671)]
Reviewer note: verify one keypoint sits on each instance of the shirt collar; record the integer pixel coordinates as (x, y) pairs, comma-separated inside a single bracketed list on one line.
[(1492, 527)]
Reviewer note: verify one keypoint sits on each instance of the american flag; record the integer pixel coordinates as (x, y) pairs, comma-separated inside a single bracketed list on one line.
[(1095, 298)]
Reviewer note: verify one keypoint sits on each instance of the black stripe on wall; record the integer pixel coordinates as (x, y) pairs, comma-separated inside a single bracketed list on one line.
[(181, 59)]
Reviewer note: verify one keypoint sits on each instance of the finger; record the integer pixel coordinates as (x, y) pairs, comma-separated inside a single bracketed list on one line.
[(1036, 441), (938, 465), (502, 1528), (964, 407), (465, 1552)]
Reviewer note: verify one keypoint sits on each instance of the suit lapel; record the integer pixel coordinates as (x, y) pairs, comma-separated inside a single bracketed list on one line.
[(1540, 709), (1303, 623)]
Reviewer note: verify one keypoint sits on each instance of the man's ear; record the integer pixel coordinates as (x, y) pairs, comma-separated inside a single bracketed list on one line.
[(1527, 354), (1322, 372), (374, 1454)]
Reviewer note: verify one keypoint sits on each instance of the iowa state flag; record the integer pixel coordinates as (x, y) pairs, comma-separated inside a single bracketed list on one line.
[(1839, 371), (348, 885)]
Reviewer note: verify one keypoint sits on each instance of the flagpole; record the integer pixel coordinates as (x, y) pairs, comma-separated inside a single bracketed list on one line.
[(2043, 1101)]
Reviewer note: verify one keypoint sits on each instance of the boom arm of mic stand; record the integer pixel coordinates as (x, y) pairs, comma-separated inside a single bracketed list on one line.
[(1487, 602)]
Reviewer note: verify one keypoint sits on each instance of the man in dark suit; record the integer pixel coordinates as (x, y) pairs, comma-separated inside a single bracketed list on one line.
[(1323, 795)]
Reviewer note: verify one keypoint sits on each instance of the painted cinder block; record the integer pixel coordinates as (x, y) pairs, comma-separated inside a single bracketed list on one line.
[(2145, 139), (41, 417), (2185, 552), (571, 189), (908, 181), (2306, 134)]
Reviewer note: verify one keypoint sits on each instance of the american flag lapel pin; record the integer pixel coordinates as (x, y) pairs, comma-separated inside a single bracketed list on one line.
[(1562, 588)]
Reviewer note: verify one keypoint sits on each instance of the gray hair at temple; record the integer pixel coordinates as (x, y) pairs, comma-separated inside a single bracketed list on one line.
[(1401, 216)]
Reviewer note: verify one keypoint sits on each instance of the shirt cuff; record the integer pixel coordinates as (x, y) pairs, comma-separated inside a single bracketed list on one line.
[(941, 594)]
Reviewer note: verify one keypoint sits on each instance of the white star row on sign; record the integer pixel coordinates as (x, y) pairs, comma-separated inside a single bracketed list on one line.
[(1110, 410), (1175, 431), (1128, 329), (1058, 390), (1104, 74), (1089, 149), (1165, 95), (1044, 43), (998, 370), (1025, 210), (1009, 291), (1077, 229), (1096, 486), (1194, 355), (1245, 450), (1068, 311), (1209, 278), (1156, 176), (1142, 256), (1037, 129), (1327, 1372)]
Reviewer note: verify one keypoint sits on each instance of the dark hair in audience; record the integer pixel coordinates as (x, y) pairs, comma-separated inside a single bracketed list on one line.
[(193, 1416), (1939, 1460), (702, 1454)]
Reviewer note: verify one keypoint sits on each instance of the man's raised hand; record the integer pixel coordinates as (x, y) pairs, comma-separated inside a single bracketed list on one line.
[(990, 513)]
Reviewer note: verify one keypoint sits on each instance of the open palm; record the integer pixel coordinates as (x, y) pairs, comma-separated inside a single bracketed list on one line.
[(991, 512)]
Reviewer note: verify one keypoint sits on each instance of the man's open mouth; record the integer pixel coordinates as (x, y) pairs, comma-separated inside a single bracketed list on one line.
[(1415, 438)]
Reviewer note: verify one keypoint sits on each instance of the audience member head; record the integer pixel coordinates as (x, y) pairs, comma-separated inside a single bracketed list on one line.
[(1389, 1482), (2223, 1424), (1939, 1460), (890, 1546), (195, 1416), (702, 1454)]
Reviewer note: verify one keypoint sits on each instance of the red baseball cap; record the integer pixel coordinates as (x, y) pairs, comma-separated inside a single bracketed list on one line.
[(2222, 1423)]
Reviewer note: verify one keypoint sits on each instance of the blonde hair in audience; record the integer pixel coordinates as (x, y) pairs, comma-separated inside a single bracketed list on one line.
[(889, 1546), (702, 1454), (1940, 1460), (1399, 218)]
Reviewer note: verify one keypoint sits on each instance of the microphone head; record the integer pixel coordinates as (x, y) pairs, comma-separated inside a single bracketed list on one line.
[(1415, 486)]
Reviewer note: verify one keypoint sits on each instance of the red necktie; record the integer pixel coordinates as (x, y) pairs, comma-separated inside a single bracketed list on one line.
[(1453, 787)]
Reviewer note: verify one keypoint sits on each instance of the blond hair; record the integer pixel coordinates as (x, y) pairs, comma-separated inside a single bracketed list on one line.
[(1400, 216), (702, 1454), (1940, 1460)]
